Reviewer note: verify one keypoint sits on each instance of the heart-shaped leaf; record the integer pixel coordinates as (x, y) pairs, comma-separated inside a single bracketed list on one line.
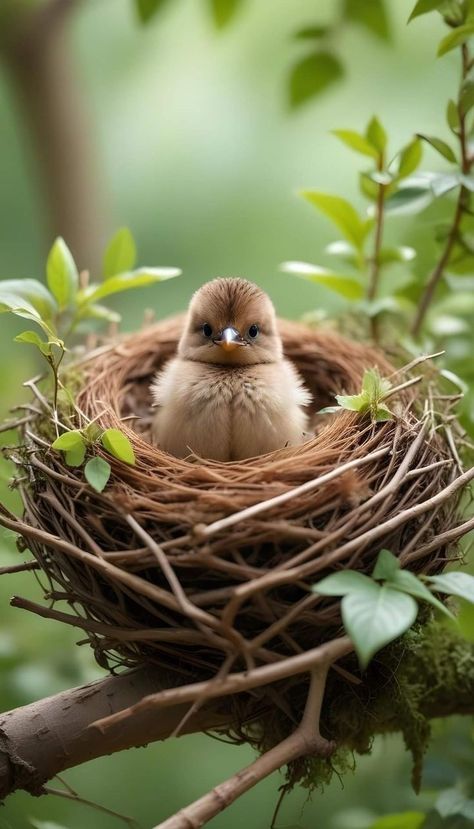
[(375, 616), (97, 472)]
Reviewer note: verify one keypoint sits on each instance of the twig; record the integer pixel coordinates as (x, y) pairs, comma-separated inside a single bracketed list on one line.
[(238, 682), (70, 795), (416, 362), (305, 741), (19, 568)]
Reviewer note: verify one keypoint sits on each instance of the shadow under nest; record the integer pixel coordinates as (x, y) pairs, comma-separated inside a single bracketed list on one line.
[(156, 569)]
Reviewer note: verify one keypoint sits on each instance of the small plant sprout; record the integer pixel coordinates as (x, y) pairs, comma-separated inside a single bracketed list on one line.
[(68, 302), (76, 443), (379, 608), (371, 399)]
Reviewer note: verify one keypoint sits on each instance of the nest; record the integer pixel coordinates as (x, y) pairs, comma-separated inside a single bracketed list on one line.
[(202, 567)]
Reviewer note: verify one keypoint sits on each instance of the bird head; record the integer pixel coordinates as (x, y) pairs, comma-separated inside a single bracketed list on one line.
[(230, 321)]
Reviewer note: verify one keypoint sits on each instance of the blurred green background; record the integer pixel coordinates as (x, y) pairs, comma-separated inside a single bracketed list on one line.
[(197, 152)]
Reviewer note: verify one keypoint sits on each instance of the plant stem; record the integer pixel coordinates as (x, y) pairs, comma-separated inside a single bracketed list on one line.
[(461, 205), (374, 276)]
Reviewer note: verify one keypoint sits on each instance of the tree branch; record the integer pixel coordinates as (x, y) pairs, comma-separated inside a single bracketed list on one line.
[(35, 46), (41, 740), (461, 205), (305, 740)]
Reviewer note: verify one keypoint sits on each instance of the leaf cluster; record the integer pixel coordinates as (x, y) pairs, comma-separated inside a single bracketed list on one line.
[(321, 64), (69, 298), (378, 609), (370, 400), (76, 443)]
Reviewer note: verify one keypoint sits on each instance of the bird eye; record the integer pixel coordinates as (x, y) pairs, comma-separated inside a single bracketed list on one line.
[(253, 331), (207, 330)]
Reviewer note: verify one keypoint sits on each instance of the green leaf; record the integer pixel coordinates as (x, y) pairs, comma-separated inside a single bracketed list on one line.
[(97, 472), (344, 250), (223, 11), (61, 274), (342, 214), (354, 402), (410, 158), (346, 286), (68, 440), (402, 253), (455, 38), (376, 135), (403, 820), (452, 117), (454, 584), (381, 177), (425, 6), (440, 146), (356, 142), (375, 386), (367, 185), (466, 98), (454, 802), (409, 200), (76, 455), (409, 583), (118, 445), (46, 824), (329, 410), (456, 381), (386, 566), (371, 15), (32, 338), (342, 583), (120, 254), (148, 8), (312, 76), (31, 292), (382, 413), (376, 616), (312, 32), (126, 281), (100, 312), (443, 183)]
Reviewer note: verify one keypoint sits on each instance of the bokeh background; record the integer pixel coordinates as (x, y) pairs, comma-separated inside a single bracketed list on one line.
[(194, 146)]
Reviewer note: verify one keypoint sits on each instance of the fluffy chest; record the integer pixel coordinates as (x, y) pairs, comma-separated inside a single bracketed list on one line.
[(230, 388)]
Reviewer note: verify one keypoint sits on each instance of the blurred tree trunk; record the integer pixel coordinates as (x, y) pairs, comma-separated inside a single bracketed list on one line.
[(37, 51)]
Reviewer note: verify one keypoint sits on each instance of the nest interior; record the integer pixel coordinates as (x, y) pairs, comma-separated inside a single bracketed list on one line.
[(163, 568)]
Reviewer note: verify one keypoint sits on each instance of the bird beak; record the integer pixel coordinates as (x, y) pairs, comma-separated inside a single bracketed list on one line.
[(229, 339)]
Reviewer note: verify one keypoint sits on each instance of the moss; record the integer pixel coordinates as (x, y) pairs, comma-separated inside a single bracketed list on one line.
[(429, 672)]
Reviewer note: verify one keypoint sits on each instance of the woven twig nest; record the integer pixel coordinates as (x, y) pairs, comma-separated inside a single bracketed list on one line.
[(187, 564)]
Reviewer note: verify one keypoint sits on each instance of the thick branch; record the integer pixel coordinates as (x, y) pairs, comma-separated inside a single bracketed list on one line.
[(40, 740)]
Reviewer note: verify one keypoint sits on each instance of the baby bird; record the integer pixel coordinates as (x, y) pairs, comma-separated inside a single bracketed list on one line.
[(229, 394)]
